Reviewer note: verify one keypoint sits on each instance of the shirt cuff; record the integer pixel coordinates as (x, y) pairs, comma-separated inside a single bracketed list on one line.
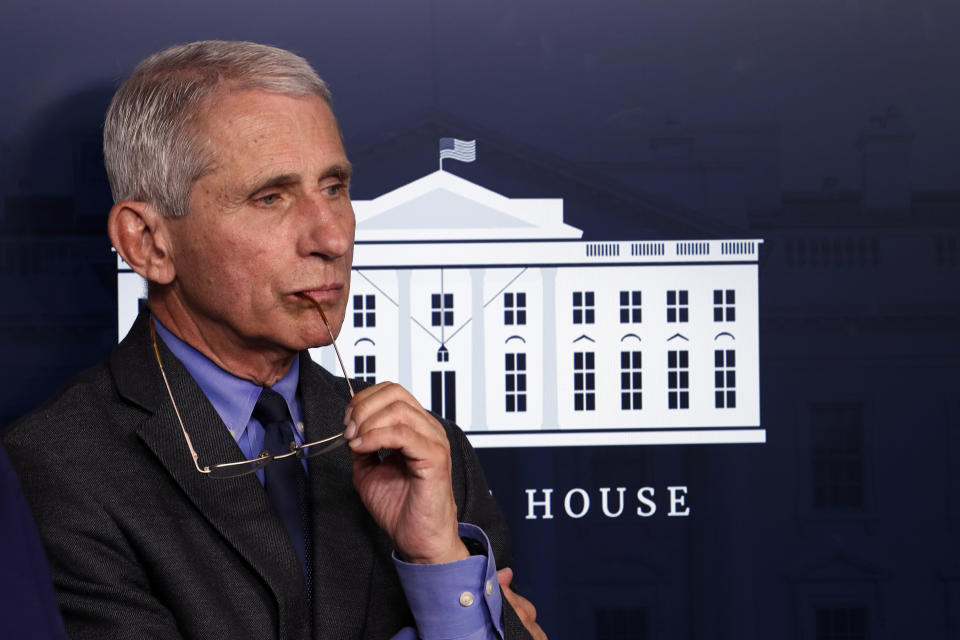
[(456, 599)]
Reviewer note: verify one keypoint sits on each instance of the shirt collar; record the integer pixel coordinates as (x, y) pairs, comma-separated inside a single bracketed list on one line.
[(232, 397)]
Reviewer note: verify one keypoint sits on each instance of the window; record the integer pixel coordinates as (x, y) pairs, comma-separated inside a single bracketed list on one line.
[(365, 368), (724, 379), (723, 305), (583, 307), (515, 308), (678, 380), (443, 394), (365, 311), (677, 306), (837, 456), (629, 307), (584, 382), (516, 381), (621, 624), (442, 309), (841, 623), (443, 354), (631, 381)]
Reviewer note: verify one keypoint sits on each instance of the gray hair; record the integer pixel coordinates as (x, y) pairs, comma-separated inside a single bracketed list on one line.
[(152, 145)]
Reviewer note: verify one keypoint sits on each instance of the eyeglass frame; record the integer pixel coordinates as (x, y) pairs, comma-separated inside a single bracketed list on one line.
[(226, 470)]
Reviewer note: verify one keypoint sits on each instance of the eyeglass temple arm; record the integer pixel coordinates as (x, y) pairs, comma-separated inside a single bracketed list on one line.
[(333, 340), (176, 410)]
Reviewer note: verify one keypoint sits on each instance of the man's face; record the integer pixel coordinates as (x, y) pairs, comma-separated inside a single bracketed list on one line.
[(271, 220)]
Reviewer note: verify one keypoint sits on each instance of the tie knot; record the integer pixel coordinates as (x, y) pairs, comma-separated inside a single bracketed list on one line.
[(270, 408)]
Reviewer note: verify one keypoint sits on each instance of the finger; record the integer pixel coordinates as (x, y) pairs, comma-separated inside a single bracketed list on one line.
[(366, 392), (523, 607), (349, 427), (364, 396), (403, 429), (383, 398), (396, 416), (525, 611), (380, 395)]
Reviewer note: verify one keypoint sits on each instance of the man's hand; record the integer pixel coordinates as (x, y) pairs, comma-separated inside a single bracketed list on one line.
[(524, 608), (409, 493)]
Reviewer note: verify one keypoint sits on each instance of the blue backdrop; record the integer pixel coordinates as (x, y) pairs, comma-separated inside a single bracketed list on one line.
[(830, 130)]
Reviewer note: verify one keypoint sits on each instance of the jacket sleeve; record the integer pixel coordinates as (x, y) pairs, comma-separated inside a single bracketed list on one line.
[(477, 506)]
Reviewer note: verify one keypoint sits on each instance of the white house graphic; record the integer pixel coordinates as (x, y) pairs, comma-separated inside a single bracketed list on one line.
[(494, 313)]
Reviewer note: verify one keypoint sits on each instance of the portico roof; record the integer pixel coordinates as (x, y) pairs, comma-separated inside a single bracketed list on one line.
[(442, 206)]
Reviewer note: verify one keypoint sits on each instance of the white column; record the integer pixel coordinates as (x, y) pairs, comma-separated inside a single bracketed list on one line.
[(404, 330), (550, 347), (479, 418)]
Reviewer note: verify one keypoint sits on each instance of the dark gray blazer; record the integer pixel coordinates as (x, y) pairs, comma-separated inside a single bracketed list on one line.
[(141, 545)]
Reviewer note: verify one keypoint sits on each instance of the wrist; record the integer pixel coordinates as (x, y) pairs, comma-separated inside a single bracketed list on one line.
[(457, 550)]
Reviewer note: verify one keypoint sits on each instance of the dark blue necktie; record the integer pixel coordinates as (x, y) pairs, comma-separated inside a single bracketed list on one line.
[(284, 480)]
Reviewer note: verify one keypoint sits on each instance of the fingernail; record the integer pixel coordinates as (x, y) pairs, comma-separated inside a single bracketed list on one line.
[(353, 444), (351, 430), (347, 414)]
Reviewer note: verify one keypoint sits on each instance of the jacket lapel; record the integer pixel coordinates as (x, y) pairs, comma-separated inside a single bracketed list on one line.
[(345, 538), (237, 508)]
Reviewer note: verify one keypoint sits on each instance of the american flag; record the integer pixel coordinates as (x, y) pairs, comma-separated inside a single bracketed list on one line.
[(462, 150)]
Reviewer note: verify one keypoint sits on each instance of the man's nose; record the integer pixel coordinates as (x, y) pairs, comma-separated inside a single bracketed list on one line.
[(328, 227)]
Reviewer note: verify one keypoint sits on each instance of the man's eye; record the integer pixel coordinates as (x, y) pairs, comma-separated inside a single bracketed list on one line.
[(269, 199), (335, 186)]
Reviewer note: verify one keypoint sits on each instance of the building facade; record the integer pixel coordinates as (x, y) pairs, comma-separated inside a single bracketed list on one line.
[(525, 335)]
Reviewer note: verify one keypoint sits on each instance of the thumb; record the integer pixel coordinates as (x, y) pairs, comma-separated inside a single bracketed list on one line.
[(505, 576)]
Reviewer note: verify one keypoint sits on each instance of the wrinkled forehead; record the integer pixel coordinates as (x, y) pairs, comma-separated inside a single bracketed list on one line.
[(210, 116), (252, 137)]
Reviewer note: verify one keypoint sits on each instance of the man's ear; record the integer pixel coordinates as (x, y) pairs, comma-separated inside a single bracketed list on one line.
[(138, 233)]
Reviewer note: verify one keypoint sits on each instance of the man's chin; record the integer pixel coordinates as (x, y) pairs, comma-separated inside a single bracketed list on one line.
[(313, 338)]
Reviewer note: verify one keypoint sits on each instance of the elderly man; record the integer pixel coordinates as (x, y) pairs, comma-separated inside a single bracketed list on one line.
[(190, 486)]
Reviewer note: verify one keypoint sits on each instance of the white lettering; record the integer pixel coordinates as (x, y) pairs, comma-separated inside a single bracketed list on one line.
[(577, 502), (645, 498), (584, 497), (605, 493), (532, 504), (678, 496)]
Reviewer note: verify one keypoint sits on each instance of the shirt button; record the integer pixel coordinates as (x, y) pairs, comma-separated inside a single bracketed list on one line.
[(489, 587), (466, 599), (300, 427)]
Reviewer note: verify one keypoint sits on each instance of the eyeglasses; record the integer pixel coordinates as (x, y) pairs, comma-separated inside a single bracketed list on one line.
[(244, 467)]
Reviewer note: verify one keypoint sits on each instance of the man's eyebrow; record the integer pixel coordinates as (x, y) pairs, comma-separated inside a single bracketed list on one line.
[(340, 170), (282, 180)]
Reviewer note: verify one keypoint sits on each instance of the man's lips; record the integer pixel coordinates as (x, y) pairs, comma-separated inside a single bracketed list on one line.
[(324, 294)]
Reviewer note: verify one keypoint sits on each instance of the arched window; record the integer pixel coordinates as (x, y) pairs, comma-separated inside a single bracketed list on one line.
[(365, 361)]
